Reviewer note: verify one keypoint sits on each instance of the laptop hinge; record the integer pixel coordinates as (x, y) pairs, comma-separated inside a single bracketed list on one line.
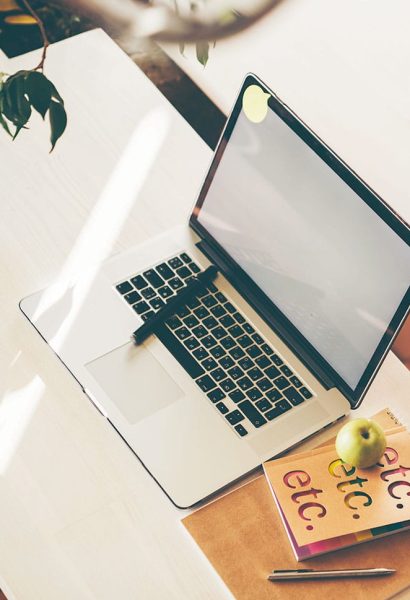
[(297, 348)]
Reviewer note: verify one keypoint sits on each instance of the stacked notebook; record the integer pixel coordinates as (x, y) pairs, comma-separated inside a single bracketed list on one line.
[(326, 505), (243, 537)]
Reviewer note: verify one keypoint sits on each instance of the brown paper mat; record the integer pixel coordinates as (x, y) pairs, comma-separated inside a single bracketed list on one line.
[(243, 537)]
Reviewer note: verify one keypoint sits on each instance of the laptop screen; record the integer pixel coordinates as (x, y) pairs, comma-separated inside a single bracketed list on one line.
[(332, 266)]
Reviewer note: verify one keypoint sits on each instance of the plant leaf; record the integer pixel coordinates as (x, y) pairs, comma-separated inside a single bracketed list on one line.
[(54, 93), (58, 121), (38, 89), (3, 123), (16, 107), (202, 52)]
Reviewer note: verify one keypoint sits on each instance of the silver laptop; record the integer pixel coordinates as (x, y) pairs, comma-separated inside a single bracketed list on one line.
[(313, 285)]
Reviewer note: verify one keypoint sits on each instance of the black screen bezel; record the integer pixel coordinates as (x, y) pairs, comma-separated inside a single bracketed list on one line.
[(256, 297)]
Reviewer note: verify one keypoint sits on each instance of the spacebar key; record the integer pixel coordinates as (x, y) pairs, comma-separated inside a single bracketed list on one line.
[(253, 415), (191, 366)]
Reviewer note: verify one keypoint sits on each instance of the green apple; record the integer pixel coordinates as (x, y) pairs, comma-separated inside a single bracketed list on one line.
[(361, 443)]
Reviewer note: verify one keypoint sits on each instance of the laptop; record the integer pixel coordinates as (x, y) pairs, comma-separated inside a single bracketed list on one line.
[(312, 287)]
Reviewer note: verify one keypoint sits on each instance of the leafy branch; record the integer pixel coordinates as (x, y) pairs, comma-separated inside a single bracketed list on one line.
[(26, 90)]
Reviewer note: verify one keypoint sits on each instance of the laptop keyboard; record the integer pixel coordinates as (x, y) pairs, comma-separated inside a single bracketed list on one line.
[(240, 373)]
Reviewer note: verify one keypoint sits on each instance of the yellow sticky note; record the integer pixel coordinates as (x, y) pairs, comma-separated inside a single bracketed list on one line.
[(255, 103)]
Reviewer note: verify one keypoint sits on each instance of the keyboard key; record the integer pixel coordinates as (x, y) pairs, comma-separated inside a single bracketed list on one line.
[(241, 430), (148, 293), (216, 395), (147, 315), (208, 341), (210, 322), (286, 371), (141, 307), (263, 362), (244, 341), (194, 268), (274, 395), (132, 297), (173, 322), (284, 405), (220, 297), (222, 408), (281, 383), (237, 395), (182, 312), (199, 331), (219, 332), (236, 352), (157, 303), (193, 303), (267, 349), (254, 394), (293, 395), (209, 301), (245, 383), (235, 331), (252, 413), (219, 374), (153, 278), (175, 262), (227, 321), (124, 287), (185, 257), (212, 288), (164, 270), (191, 321), (218, 311), (254, 373), (175, 283), (205, 383), (201, 293), (139, 282), (264, 384), (248, 328), (179, 352), (226, 362), (184, 272), (183, 333), (295, 381), (201, 312), (254, 351), (200, 353), (257, 338), (234, 417), (305, 392), (235, 373), (191, 343), (276, 360), (263, 405), (227, 385), (165, 291), (246, 363), (230, 307), (273, 413), (217, 351), (209, 364), (239, 318), (272, 372), (227, 342)]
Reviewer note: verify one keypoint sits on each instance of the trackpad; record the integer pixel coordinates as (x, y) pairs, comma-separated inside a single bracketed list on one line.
[(135, 381)]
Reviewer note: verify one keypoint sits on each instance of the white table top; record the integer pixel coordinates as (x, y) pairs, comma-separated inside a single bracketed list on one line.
[(342, 66), (79, 516)]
